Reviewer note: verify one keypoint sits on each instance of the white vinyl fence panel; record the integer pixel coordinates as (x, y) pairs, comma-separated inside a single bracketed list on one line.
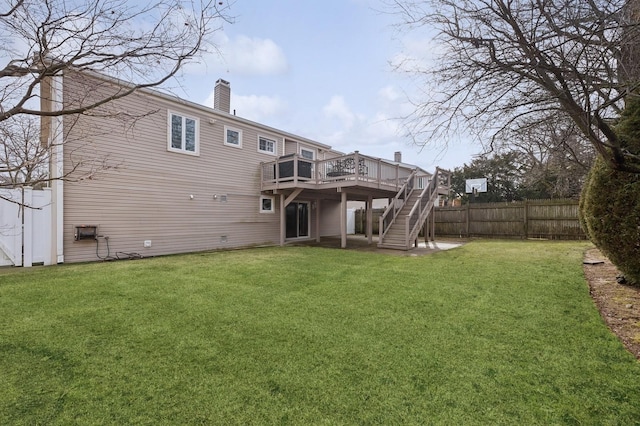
[(24, 246), (351, 221)]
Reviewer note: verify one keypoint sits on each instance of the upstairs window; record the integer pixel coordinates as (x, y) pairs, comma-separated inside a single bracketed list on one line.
[(266, 145), (183, 134), (307, 153), (232, 137)]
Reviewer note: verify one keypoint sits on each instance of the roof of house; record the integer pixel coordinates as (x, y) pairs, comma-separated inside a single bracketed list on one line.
[(287, 135)]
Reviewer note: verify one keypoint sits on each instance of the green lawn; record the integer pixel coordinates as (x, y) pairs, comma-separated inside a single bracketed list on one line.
[(493, 332)]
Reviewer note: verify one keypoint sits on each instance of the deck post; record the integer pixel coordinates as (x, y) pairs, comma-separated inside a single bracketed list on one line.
[(356, 168), (370, 219), (425, 231), (433, 223), (343, 219), (318, 220), (283, 220)]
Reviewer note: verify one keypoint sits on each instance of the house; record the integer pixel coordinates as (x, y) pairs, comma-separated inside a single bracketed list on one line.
[(151, 174)]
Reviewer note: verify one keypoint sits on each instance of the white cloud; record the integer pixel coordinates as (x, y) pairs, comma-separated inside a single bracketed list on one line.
[(418, 55), (242, 55), (377, 133), (338, 108), (382, 128), (258, 108), (374, 133), (255, 56), (254, 107), (389, 94)]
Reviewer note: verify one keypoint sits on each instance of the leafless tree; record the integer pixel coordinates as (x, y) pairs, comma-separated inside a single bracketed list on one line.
[(508, 65), (556, 154), (144, 43), (23, 159)]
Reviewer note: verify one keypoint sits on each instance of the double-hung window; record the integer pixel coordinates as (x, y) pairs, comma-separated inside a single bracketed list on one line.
[(232, 137), (183, 134), (267, 145)]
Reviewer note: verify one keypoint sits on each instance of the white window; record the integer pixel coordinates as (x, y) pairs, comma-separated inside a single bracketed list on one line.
[(232, 137), (309, 154), (267, 204), (266, 145), (183, 134)]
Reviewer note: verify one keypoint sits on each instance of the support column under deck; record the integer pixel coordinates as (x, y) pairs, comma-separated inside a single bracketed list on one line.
[(283, 220), (318, 220), (433, 223), (370, 219), (343, 219)]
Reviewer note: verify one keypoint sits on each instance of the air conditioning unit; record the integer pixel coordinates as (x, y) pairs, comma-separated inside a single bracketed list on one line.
[(86, 232)]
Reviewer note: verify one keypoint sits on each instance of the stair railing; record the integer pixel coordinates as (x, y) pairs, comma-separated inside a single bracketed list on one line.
[(390, 214), (424, 204)]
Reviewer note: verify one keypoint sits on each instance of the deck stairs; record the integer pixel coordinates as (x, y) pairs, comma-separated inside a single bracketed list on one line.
[(405, 216)]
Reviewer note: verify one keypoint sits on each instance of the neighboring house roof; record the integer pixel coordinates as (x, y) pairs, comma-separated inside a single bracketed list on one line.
[(410, 166)]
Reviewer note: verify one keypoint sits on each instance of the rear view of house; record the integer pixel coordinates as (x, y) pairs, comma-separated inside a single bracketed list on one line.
[(151, 174)]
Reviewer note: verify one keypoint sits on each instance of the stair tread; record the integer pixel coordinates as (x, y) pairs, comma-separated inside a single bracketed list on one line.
[(395, 235)]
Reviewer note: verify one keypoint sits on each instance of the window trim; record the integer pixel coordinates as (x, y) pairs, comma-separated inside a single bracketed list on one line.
[(233, 129), (271, 139), (184, 117), (273, 205), (312, 151)]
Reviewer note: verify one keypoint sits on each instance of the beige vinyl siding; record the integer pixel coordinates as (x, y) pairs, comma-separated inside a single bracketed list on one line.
[(330, 219), (293, 147), (290, 147), (148, 195)]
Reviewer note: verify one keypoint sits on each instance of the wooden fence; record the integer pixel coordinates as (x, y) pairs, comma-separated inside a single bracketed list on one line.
[(552, 219)]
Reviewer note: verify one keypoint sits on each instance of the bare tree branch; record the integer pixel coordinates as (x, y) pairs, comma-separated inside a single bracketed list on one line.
[(136, 44), (508, 61)]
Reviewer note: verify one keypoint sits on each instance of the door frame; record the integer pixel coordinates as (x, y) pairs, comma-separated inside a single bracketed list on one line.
[(308, 214)]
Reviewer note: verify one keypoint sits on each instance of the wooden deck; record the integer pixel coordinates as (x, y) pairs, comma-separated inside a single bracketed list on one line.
[(358, 172), (351, 177)]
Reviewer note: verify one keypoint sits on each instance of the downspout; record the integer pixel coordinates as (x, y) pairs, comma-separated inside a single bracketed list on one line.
[(56, 172)]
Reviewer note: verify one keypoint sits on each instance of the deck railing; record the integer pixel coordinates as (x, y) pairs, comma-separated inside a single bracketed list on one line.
[(354, 167)]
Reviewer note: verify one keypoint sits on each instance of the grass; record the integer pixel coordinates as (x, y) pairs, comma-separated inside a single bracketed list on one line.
[(490, 333)]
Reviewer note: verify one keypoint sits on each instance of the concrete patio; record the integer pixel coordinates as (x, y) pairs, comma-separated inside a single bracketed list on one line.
[(359, 243)]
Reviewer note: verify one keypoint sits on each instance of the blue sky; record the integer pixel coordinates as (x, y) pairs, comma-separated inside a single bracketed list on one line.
[(320, 69)]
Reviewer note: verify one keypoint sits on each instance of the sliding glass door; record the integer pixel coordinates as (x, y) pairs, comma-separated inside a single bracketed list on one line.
[(297, 215)]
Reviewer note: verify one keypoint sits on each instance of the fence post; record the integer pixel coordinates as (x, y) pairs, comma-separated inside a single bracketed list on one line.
[(27, 226), (526, 219), (468, 219)]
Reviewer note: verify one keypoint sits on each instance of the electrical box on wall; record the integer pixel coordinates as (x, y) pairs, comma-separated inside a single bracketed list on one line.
[(86, 232)]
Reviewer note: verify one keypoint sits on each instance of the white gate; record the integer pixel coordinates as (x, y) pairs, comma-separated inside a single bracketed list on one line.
[(24, 245), (351, 221)]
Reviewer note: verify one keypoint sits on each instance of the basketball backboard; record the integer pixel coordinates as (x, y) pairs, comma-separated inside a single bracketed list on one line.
[(473, 186)]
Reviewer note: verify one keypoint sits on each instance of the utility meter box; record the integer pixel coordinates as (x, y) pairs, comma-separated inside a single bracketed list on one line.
[(86, 232)]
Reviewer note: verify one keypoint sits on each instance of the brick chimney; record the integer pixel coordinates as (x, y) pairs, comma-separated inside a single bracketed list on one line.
[(397, 157), (222, 96)]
